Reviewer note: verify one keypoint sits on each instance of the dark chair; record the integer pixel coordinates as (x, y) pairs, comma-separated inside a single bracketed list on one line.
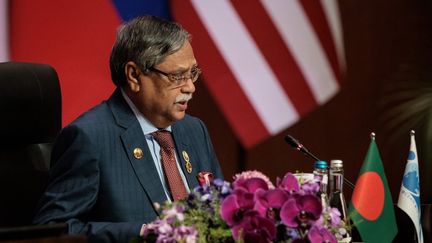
[(406, 228), (30, 119), (426, 222)]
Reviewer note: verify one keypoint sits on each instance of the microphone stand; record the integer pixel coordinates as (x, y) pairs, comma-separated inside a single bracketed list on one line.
[(298, 146)]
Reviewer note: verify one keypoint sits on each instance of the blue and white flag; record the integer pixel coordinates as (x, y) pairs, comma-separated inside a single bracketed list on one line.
[(409, 196)]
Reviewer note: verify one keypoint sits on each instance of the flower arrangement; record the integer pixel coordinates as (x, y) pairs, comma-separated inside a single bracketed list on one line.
[(251, 209)]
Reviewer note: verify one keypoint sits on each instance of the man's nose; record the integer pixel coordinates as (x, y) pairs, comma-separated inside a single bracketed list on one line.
[(189, 87)]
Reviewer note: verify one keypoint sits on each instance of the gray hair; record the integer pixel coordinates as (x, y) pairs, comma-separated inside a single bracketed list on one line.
[(145, 40)]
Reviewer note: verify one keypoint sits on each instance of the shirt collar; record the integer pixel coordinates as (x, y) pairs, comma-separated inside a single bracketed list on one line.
[(145, 124)]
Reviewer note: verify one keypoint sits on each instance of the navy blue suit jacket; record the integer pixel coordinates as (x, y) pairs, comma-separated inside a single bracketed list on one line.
[(97, 185)]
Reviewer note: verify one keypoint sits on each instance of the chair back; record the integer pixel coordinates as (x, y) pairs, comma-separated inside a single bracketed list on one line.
[(426, 219), (30, 119)]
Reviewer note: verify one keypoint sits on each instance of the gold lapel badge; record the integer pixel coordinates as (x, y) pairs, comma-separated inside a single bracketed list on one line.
[(188, 164), (138, 153)]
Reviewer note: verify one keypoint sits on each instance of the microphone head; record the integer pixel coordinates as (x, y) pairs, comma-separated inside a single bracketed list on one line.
[(292, 141), (297, 145)]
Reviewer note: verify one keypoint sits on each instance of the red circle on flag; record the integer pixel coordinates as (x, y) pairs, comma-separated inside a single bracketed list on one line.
[(368, 196)]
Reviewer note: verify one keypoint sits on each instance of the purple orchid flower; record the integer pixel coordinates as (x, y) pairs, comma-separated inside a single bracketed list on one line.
[(335, 216), (317, 235), (332, 215), (254, 228), (250, 184), (309, 188), (329, 216), (268, 203), (235, 205), (288, 183), (241, 199), (301, 211)]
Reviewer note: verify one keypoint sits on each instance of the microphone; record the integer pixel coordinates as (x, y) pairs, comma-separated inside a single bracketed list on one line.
[(297, 145), (300, 147)]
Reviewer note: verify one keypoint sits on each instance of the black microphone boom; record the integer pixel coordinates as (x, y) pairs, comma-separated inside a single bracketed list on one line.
[(298, 146)]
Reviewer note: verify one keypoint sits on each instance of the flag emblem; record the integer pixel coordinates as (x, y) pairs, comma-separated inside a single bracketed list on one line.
[(369, 209)]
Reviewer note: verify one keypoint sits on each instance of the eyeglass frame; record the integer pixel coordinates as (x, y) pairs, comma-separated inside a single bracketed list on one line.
[(179, 79)]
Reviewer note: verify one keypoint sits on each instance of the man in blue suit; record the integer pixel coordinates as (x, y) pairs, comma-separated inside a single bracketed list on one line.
[(106, 170)]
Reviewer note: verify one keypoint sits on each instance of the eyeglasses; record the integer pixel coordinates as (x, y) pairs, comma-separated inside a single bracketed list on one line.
[(179, 79)]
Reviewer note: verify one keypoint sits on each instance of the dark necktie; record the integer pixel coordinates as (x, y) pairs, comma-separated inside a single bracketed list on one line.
[(175, 182)]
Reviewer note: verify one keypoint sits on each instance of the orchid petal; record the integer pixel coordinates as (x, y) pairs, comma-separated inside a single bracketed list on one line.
[(289, 183), (251, 184), (254, 228), (311, 204), (289, 212), (317, 235), (276, 198), (229, 209)]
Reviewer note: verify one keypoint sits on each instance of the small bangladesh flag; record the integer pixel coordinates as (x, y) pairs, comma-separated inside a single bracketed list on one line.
[(371, 207)]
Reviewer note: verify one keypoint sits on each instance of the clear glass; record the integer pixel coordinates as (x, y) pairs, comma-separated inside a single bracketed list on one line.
[(337, 198), (323, 178), (321, 175)]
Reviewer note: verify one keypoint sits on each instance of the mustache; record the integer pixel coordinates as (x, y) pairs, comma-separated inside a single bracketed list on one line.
[(183, 98)]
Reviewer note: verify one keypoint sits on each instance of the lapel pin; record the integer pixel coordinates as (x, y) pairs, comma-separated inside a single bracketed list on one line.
[(138, 153), (185, 156), (188, 167), (188, 164)]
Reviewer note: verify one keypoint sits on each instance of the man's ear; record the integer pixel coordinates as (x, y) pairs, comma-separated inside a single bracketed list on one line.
[(132, 75)]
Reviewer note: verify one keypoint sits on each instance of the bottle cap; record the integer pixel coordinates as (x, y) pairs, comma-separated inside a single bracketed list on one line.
[(336, 163), (320, 164)]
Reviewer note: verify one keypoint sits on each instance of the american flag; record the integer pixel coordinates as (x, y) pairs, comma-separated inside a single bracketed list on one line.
[(266, 63)]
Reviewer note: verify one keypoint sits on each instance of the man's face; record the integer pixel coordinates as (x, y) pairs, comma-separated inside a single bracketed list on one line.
[(161, 101)]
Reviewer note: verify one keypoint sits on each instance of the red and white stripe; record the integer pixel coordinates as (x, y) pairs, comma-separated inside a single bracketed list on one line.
[(267, 63), (240, 51), (4, 24)]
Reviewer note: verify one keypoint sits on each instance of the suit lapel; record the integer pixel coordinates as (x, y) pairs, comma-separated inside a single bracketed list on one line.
[(144, 167), (133, 138), (182, 146)]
